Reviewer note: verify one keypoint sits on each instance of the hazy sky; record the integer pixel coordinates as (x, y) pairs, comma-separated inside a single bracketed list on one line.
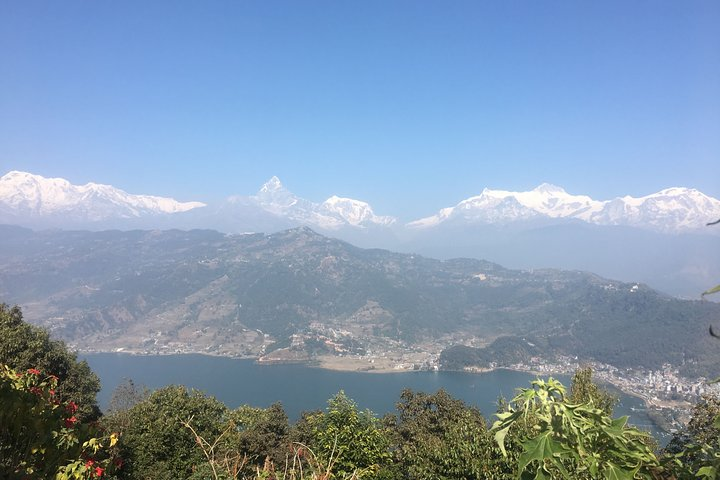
[(409, 105)]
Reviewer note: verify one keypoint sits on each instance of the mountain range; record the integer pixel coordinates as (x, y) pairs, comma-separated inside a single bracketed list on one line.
[(27, 197), (32, 199), (659, 239), (670, 210), (299, 291)]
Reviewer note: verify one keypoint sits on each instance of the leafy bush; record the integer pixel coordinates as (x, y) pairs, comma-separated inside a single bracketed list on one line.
[(42, 437), (24, 346), (574, 440)]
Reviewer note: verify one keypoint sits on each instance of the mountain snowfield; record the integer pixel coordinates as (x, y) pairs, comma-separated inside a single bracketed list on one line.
[(28, 199), (25, 194), (670, 210)]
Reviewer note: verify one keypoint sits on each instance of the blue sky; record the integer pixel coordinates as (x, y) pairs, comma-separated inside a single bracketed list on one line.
[(409, 105)]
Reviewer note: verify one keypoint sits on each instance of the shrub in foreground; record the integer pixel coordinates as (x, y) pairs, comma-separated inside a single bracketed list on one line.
[(42, 437)]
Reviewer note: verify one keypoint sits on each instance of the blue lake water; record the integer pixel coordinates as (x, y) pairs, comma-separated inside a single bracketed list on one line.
[(300, 388)]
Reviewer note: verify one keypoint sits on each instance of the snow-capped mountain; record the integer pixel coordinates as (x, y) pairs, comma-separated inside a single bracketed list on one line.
[(333, 213), (36, 201), (499, 206), (27, 196), (32, 200), (673, 209)]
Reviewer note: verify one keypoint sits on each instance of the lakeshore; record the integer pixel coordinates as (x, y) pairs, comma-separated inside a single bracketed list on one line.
[(628, 381), (301, 387), (667, 415), (666, 398)]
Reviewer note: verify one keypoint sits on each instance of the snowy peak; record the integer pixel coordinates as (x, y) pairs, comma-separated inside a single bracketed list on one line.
[(23, 194), (670, 210), (548, 200), (274, 197), (334, 213), (272, 185), (33, 192), (354, 212), (502, 206)]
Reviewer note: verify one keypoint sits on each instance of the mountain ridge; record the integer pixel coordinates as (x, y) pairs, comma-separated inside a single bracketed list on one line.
[(246, 294)]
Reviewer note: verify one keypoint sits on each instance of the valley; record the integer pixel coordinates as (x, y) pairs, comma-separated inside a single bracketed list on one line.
[(298, 296)]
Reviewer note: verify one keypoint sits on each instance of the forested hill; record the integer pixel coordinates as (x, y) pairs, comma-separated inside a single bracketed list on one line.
[(237, 294)]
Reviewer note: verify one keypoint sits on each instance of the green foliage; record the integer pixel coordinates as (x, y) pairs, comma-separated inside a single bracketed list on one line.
[(507, 350), (259, 434), (176, 433), (41, 436), (574, 441), (156, 445), (543, 433), (350, 441), (24, 346), (440, 437), (695, 451)]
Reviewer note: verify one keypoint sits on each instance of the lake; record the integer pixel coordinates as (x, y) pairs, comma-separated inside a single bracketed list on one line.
[(300, 388)]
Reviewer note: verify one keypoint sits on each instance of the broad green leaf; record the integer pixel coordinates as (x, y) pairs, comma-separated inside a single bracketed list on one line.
[(538, 448)]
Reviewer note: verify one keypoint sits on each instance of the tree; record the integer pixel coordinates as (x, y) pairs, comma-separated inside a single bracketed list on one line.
[(24, 346), (349, 441), (694, 452), (584, 390), (251, 439), (157, 445), (259, 434), (438, 436)]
